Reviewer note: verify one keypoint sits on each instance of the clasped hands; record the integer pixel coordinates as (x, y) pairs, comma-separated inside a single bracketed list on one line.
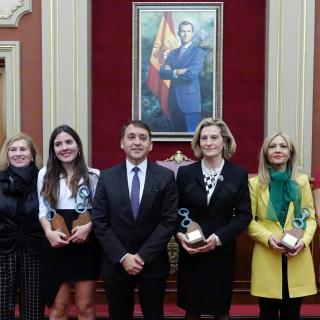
[(210, 244), (133, 264), (79, 234), (275, 245)]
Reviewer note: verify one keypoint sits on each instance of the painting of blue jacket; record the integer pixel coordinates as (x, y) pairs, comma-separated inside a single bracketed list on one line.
[(183, 66), (176, 66)]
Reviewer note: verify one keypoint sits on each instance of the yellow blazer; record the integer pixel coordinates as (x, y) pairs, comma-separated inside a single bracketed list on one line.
[(266, 277)]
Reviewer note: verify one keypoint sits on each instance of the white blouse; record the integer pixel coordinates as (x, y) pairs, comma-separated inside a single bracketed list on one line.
[(65, 200)]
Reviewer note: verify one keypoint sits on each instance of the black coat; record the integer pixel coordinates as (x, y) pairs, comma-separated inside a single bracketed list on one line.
[(19, 221), (229, 210), (205, 279), (119, 233)]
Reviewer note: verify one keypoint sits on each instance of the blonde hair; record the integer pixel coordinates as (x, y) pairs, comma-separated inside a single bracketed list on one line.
[(225, 132), (4, 159), (263, 173)]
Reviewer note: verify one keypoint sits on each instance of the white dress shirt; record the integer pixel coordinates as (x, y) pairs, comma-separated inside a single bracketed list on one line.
[(64, 200), (141, 174)]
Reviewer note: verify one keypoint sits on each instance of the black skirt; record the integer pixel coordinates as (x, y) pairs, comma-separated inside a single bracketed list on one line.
[(205, 283), (74, 262)]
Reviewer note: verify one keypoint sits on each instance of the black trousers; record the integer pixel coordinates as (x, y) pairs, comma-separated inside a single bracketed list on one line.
[(120, 296), (281, 309)]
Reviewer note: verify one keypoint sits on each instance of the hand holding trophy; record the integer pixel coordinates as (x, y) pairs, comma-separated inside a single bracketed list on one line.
[(194, 232), (57, 220), (292, 236), (82, 205)]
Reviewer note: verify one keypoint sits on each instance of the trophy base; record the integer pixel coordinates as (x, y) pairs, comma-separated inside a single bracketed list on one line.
[(195, 235), (291, 237)]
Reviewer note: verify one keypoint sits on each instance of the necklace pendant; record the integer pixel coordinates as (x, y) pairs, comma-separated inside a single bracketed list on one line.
[(213, 173)]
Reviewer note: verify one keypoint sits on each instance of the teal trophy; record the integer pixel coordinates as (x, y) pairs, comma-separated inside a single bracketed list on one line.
[(292, 236), (194, 232)]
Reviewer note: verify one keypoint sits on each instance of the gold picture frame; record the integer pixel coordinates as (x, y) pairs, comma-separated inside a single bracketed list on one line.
[(155, 40)]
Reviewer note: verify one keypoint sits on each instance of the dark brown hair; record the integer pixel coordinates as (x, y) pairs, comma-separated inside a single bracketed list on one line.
[(135, 123), (51, 180), (185, 23)]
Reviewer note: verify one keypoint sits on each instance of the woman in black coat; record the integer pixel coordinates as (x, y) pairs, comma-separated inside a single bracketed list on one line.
[(20, 231), (215, 192)]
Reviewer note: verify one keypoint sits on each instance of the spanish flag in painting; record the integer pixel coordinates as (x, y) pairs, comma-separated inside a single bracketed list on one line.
[(165, 41)]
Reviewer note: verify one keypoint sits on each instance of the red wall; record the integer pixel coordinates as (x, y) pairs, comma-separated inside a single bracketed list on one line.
[(243, 80), (28, 33)]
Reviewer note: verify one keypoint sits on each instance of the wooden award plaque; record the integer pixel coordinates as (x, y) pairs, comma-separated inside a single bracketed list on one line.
[(83, 218), (58, 224)]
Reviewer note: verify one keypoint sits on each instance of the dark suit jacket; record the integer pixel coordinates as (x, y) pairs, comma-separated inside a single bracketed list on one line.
[(117, 230), (229, 210), (185, 89)]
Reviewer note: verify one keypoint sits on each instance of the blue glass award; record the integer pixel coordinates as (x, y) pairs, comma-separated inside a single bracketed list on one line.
[(292, 236), (194, 232)]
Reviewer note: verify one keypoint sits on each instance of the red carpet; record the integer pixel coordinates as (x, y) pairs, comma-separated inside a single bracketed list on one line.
[(236, 310)]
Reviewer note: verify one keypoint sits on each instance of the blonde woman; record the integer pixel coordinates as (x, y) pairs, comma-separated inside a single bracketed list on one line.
[(216, 194), (20, 231), (280, 278)]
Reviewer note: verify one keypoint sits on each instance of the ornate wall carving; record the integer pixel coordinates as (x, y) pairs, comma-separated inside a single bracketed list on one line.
[(12, 10)]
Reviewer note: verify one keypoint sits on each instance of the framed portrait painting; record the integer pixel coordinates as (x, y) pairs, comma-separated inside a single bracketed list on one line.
[(177, 66)]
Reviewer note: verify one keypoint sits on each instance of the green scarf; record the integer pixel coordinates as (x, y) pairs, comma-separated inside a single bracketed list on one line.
[(282, 188)]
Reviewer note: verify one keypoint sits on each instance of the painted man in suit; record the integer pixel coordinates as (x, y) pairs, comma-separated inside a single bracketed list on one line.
[(183, 66), (134, 236)]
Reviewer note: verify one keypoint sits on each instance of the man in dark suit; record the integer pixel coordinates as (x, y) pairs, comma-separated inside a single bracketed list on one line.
[(134, 215), (183, 66)]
